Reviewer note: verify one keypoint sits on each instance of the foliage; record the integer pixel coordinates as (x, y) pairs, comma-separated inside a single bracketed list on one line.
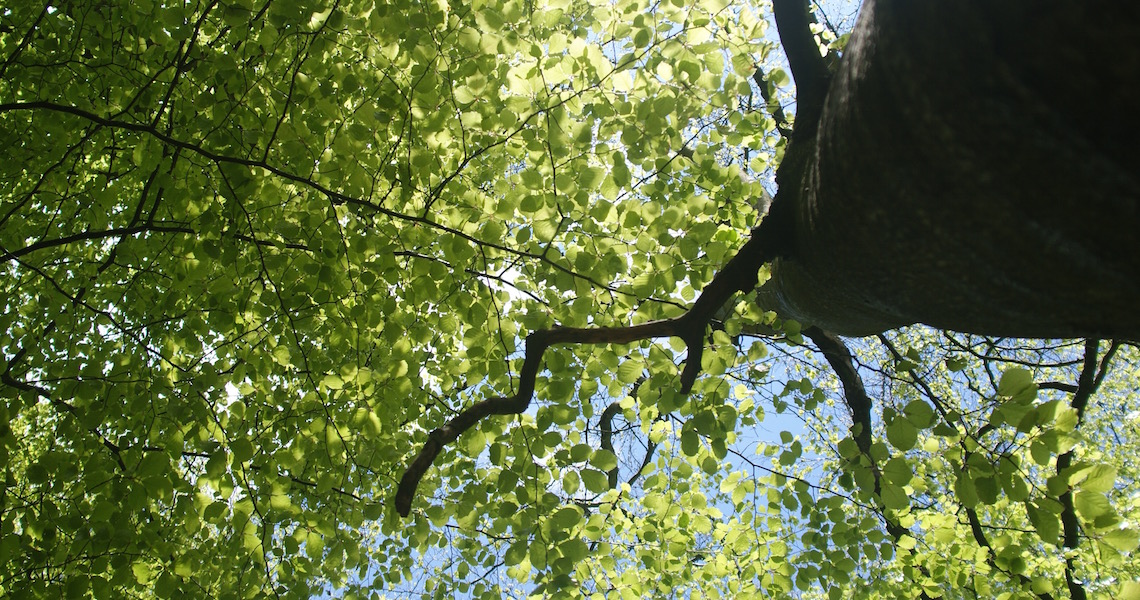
[(253, 252)]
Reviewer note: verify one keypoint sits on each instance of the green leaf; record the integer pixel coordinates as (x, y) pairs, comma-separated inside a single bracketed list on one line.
[(987, 489), (516, 553), (1098, 478), (574, 549), (595, 481), (1124, 540), (894, 497), (581, 452), (242, 449), (902, 434), (898, 471), (1092, 505), (571, 482), (566, 517), (690, 443), (919, 413), (1015, 486), (1128, 590), (603, 460), (475, 442), (630, 371), (1017, 384), (332, 382), (1047, 523), (154, 463), (1040, 453)]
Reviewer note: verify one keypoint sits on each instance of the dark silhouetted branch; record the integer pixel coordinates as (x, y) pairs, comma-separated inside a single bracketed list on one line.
[(793, 20), (980, 537), (1092, 374), (859, 403), (114, 232), (606, 424), (773, 106), (738, 275), (854, 393)]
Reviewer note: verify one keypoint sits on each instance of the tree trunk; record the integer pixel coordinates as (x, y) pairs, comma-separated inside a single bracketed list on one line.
[(975, 168)]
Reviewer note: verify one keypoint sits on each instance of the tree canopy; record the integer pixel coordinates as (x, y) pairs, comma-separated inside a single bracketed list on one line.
[(371, 299)]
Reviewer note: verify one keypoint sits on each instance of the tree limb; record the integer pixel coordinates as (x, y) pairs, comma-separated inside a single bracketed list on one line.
[(606, 423), (738, 275), (980, 537), (793, 20), (857, 400), (1092, 374), (854, 393), (772, 105)]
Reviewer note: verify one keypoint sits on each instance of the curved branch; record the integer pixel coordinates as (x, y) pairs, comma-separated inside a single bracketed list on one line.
[(793, 20), (738, 275), (606, 423), (1092, 374), (607, 443), (854, 393), (858, 402), (770, 103), (981, 539), (536, 345)]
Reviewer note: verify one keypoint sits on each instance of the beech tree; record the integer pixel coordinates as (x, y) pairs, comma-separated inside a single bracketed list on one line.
[(572, 298)]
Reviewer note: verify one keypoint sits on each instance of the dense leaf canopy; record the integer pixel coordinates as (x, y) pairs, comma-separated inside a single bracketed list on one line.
[(253, 252)]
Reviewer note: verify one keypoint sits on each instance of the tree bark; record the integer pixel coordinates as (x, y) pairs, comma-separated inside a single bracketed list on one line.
[(975, 168)]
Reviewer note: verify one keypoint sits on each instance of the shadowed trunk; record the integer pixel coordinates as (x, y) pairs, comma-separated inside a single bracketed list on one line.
[(975, 168)]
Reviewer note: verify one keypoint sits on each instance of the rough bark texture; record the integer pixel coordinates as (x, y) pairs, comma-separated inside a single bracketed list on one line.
[(975, 168)]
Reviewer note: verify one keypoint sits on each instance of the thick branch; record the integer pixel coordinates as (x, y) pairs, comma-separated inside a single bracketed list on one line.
[(858, 402), (980, 537), (793, 20), (854, 393), (739, 274), (606, 423), (607, 443), (1091, 376), (772, 105)]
